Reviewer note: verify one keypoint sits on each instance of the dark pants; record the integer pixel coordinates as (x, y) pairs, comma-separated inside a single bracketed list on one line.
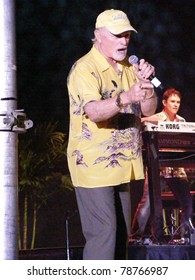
[(181, 191), (179, 188), (105, 220)]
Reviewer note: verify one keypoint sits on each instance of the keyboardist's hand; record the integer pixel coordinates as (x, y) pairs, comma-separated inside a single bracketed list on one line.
[(150, 119)]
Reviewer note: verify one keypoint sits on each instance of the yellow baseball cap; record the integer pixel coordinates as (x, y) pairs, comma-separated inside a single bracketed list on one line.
[(115, 21)]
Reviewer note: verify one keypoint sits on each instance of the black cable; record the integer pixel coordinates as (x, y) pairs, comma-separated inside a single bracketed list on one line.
[(177, 159)]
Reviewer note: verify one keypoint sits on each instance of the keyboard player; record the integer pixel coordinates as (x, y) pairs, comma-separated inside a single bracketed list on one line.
[(174, 178)]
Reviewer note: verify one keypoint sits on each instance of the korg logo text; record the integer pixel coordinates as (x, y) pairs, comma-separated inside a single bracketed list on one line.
[(172, 126)]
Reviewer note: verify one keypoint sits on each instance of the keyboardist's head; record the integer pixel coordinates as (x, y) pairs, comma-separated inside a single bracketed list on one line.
[(171, 101)]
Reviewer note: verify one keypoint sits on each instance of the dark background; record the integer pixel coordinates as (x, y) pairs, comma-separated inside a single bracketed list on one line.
[(52, 34)]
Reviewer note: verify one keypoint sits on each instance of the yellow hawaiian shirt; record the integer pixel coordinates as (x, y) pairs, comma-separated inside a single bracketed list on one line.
[(102, 154)]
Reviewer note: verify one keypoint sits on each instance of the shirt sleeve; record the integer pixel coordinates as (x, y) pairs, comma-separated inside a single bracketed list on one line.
[(86, 84)]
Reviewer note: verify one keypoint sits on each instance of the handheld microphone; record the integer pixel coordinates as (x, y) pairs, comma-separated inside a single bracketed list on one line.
[(133, 59)]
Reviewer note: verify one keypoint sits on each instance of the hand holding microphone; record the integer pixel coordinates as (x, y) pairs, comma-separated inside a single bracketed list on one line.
[(145, 70), (143, 90)]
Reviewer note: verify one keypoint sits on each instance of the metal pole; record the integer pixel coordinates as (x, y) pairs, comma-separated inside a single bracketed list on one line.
[(68, 216), (8, 140), (67, 240), (11, 122)]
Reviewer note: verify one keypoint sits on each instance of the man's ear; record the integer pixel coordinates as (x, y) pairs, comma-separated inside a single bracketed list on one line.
[(164, 102), (97, 35)]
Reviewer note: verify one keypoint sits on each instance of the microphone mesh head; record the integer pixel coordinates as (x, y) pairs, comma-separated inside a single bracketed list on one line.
[(133, 59)]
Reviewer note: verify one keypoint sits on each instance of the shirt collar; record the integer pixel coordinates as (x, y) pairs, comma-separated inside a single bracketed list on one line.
[(165, 118)]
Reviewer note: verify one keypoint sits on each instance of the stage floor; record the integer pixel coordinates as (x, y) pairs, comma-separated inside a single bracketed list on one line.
[(161, 252), (135, 252)]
